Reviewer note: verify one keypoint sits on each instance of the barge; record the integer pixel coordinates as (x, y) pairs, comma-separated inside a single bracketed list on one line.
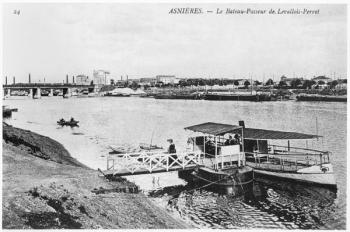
[(322, 98), (237, 97)]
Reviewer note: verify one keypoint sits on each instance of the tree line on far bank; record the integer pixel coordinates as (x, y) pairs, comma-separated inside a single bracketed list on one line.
[(294, 84)]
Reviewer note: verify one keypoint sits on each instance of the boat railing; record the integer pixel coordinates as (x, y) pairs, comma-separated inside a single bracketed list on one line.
[(276, 161), (215, 162), (295, 150)]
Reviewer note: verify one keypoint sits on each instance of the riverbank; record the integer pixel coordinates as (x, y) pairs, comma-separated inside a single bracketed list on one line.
[(45, 188)]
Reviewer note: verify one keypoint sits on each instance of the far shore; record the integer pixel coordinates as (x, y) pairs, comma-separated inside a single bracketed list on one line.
[(45, 188)]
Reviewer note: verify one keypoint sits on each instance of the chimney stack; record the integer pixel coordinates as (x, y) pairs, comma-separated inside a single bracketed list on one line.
[(73, 80), (6, 80), (241, 123), (14, 80), (67, 79), (29, 81)]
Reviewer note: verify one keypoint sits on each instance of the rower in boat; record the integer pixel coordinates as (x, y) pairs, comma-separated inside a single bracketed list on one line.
[(71, 122)]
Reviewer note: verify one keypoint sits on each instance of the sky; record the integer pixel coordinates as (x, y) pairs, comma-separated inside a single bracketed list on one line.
[(50, 40)]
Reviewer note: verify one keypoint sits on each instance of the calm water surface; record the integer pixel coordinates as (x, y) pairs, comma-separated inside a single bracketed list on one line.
[(129, 121)]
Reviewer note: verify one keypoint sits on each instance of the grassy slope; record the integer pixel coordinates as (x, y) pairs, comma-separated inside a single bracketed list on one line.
[(41, 193)]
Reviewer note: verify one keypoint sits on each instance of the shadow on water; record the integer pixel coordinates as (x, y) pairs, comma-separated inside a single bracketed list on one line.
[(271, 204)]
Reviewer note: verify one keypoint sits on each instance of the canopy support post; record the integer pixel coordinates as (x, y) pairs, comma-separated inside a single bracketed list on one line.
[(204, 144), (216, 152), (242, 152), (203, 149)]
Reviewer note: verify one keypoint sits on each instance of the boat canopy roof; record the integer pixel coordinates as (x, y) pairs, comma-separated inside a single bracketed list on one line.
[(216, 129), (260, 134), (213, 128)]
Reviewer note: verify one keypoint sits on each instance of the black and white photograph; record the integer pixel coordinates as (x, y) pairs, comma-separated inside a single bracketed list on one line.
[(174, 115)]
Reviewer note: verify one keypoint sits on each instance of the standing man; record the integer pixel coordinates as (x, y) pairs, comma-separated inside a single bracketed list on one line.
[(172, 150)]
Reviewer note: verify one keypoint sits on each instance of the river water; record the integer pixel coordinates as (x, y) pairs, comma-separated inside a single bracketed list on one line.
[(126, 122)]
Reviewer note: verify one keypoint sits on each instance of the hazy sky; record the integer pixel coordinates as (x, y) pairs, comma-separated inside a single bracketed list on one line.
[(144, 40)]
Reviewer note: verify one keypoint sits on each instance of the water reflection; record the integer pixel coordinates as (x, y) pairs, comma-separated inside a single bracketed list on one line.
[(272, 204)]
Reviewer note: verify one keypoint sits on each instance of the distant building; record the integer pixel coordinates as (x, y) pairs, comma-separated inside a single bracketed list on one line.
[(321, 82), (322, 78), (240, 82), (121, 83), (82, 80), (134, 80), (289, 81), (100, 77), (167, 79), (342, 84), (150, 81), (283, 78)]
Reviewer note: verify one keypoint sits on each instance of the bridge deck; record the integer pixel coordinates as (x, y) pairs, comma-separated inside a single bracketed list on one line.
[(126, 172), (46, 86)]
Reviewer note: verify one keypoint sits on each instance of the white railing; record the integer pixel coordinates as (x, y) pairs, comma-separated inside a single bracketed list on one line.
[(151, 161), (231, 158), (290, 160), (295, 150)]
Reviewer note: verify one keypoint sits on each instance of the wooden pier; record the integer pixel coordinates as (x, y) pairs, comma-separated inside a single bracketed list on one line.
[(151, 162)]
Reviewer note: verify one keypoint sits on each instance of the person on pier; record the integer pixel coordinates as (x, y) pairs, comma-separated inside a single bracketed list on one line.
[(172, 150)]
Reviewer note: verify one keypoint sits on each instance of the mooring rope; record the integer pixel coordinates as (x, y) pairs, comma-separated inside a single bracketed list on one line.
[(211, 183)]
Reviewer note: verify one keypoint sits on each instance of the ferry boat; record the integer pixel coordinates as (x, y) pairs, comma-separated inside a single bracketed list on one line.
[(223, 159), (210, 158), (291, 163)]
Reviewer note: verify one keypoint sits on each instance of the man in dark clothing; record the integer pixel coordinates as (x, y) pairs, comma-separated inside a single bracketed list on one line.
[(172, 150), (228, 141)]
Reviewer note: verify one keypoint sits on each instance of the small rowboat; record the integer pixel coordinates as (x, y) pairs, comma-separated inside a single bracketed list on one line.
[(68, 123), (145, 146)]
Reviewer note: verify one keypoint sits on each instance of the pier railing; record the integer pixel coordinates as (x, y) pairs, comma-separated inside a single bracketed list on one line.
[(152, 161)]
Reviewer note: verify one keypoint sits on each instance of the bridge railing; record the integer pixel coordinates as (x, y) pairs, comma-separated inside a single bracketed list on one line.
[(151, 161), (46, 85)]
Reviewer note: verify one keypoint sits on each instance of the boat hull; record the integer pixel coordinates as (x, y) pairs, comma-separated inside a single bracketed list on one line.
[(235, 181), (72, 124), (230, 97), (321, 179), (321, 98), (117, 95), (180, 97)]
